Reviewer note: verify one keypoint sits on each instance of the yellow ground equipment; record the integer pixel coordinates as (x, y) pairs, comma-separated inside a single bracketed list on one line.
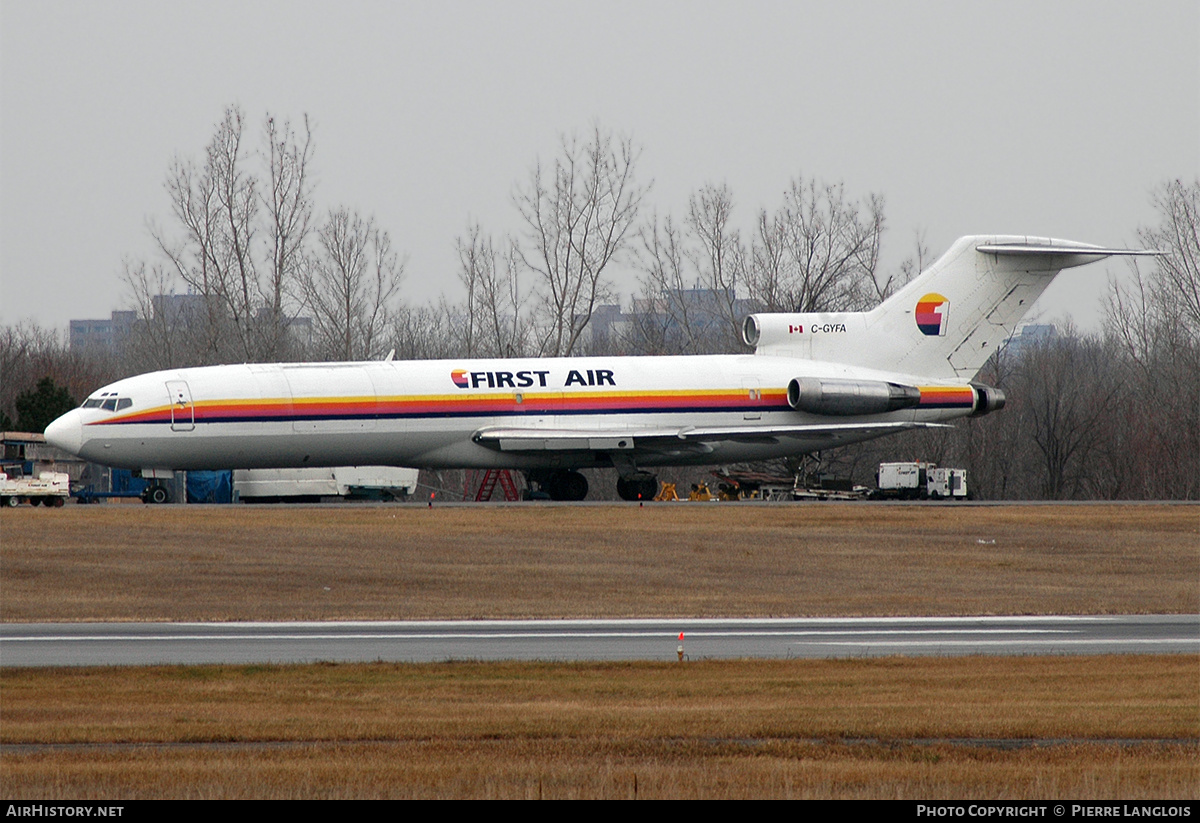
[(666, 493)]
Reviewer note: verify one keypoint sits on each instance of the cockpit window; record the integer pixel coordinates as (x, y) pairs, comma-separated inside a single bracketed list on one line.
[(107, 401)]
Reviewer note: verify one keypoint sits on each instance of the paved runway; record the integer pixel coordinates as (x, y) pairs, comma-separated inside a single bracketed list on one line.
[(86, 644)]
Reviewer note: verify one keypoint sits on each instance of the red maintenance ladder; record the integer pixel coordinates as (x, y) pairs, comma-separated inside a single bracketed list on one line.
[(490, 478)]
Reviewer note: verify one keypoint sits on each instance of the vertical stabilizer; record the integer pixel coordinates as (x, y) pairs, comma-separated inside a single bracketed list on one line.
[(946, 322)]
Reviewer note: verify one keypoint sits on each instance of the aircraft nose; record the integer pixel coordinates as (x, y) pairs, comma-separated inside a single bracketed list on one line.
[(66, 432)]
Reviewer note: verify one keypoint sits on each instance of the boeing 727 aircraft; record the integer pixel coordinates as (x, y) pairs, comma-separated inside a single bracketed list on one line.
[(813, 382)]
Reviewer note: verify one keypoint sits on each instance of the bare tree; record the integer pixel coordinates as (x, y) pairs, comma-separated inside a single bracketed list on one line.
[(160, 339), (1178, 282), (30, 353), (719, 258), (578, 216), (425, 332), (691, 277), (910, 267), (352, 286), (1068, 393), (237, 236), (289, 209), (1155, 318), (660, 325), (818, 252), (494, 325), (215, 205)]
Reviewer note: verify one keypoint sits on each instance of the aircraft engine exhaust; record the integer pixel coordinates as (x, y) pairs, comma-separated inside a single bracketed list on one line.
[(987, 399)]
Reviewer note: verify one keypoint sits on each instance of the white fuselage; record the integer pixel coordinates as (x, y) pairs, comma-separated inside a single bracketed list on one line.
[(570, 413)]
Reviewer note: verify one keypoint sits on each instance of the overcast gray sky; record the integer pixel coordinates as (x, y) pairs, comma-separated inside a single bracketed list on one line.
[(1047, 118)]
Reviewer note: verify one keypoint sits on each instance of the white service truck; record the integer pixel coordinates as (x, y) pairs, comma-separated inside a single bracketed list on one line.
[(947, 484), (49, 489), (919, 480)]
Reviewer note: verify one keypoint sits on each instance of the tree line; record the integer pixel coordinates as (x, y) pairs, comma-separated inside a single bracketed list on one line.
[(271, 277)]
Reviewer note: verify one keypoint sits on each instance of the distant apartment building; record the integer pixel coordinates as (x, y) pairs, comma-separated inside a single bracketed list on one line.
[(679, 320), (608, 329), (177, 311), (108, 335)]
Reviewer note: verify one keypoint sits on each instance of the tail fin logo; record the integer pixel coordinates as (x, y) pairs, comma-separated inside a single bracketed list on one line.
[(933, 311)]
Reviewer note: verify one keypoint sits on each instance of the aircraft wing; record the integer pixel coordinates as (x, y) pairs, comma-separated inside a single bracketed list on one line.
[(672, 439)]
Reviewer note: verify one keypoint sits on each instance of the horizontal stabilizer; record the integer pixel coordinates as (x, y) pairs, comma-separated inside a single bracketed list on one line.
[(1061, 250), (1056, 255)]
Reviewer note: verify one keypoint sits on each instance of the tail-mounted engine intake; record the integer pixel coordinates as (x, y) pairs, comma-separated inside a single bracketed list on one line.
[(830, 396), (751, 331), (782, 333), (987, 399)]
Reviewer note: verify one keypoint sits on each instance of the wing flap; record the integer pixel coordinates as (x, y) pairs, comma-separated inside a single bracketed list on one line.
[(515, 439)]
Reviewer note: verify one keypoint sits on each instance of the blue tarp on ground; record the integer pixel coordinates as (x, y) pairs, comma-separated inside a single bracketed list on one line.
[(210, 487)]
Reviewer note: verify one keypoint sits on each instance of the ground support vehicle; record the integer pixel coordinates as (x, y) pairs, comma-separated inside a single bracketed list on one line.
[(949, 484), (313, 485), (49, 489), (113, 483), (919, 480), (808, 493)]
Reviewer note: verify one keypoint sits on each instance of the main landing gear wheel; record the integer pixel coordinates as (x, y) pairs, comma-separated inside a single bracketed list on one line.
[(567, 485), (158, 494), (640, 486)]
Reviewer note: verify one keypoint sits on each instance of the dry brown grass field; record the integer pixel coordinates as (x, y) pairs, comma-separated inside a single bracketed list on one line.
[(958, 728), (377, 562), (970, 728)]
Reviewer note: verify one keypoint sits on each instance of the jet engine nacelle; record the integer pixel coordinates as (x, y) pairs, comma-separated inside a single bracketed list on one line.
[(817, 395), (987, 399), (794, 333)]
